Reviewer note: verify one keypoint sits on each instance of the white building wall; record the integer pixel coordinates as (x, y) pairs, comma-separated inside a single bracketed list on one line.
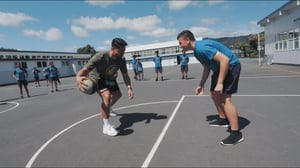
[(284, 24)]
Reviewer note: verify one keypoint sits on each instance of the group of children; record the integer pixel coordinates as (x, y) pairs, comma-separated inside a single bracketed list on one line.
[(51, 75), (137, 66), (138, 69)]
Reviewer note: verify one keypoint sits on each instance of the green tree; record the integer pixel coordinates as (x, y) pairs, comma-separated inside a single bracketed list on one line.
[(88, 49)]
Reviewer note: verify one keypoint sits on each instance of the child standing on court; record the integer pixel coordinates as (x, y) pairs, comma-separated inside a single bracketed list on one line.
[(139, 70), (21, 75), (35, 73), (158, 67), (184, 68), (53, 75), (226, 68)]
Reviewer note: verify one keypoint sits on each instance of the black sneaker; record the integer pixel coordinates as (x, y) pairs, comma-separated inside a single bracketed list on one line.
[(220, 123), (232, 139)]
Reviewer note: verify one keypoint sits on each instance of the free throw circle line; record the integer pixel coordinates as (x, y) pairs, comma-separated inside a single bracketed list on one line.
[(16, 105), (37, 153)]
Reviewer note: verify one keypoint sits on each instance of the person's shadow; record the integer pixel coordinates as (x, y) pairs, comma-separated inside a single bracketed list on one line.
[(127, 121), (243, 122)]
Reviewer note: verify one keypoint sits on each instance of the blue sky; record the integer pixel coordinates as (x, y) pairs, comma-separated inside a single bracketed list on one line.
[(65, 26)]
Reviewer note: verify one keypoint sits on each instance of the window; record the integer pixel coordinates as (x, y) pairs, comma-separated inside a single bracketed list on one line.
[(39, 64), (44, 64), (24, 64), (287, 40), (296, 38)]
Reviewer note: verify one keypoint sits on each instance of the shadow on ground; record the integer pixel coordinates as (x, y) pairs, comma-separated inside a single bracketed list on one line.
[(127, 121), (243, 122)]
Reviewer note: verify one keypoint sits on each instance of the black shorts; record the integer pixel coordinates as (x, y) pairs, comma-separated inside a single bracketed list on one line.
[(230, 84), (53, 78), (184, 68), (22, 82), (158, 69), (110, 85)]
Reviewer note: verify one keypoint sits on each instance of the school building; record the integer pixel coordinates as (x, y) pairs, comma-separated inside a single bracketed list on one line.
[(281, 29)]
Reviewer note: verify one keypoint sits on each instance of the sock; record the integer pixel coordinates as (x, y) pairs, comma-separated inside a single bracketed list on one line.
[(236, 132), (106, 122)]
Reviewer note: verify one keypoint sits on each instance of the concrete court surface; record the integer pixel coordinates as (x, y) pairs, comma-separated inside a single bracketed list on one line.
[(165, 125)]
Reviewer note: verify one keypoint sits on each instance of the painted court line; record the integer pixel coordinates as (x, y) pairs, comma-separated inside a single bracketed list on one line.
[(161, 136), (37, 153), (259, 95), (16, 105)]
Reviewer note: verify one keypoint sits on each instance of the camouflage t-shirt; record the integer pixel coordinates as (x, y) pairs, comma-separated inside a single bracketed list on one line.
[(101, 66)]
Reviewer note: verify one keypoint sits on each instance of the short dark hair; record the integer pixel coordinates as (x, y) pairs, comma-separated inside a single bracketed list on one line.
[(186, 34), (118, 43)]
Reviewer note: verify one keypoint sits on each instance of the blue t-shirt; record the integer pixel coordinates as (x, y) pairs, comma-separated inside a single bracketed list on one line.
[(184, 59), (53, 72), (139, 67), (35, 72), (20, 73), (157, 61), (205, 50), (133, 61)]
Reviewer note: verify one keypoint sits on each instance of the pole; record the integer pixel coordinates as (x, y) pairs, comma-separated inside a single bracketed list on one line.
[(258, 48)]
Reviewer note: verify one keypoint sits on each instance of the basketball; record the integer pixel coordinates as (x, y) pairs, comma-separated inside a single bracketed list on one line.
[(91, 86)]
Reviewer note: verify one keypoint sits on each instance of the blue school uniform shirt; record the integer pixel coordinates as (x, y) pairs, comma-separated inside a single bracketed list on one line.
[(157, 61), (133, 62), (184, 59), (139, 67), (52, 71), (205, 50), (20, 73)]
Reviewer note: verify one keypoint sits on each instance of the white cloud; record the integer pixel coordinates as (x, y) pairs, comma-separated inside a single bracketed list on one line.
[(146, 25), (103, 4), (79, 31), (206, 32), (52, 34), (160, 32), (141, 24), (215, 2), (130, 37), (209, 21), (33, 33), (14, 19), (93, 23), (178, 5)]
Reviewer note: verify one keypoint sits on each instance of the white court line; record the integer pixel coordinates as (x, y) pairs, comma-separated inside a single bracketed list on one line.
[(37, 153), (158, 141), (16, 105), (270, 76), (161, 136), (259, 95)]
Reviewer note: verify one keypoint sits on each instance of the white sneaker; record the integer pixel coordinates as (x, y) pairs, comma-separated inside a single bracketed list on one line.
[(110, 130), (112, 113)]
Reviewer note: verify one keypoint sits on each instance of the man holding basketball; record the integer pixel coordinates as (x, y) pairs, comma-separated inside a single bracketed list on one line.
[(104, 67), (226, 69)]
